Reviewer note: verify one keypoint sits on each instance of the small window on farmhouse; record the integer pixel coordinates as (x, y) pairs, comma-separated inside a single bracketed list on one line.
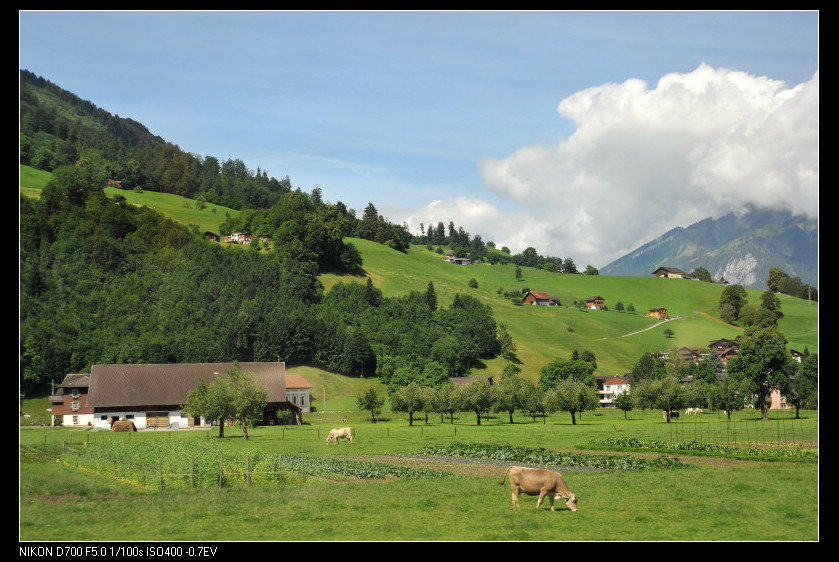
[(75, 393)]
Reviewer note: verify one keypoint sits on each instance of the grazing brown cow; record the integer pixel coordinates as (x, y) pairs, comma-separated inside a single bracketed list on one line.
[(338, 433), (541, 482)]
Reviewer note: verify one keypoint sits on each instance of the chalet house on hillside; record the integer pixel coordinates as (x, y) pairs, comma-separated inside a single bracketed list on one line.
[(538, 298), (212, 236), (610, 389), (239, 238), (673, 273), (450, 257), (595, 303), (151, 395), (657, 313), (691, 354), (725, 348)]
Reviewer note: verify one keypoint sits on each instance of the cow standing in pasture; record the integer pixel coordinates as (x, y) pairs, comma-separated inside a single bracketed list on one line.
[(541, 482), (339, 432)]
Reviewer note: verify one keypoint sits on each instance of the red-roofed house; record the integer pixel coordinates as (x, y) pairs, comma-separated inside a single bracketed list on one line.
[(539, 298), (595, 303), (611, 389), (298, 391)]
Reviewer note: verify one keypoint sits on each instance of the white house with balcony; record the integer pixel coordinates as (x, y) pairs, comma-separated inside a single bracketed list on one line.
[(611, 389)]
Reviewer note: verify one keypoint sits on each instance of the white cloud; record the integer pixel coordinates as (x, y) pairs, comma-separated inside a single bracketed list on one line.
[(642, 161)]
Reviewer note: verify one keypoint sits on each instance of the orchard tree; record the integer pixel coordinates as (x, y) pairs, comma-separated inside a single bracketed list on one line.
[(623, 401), (475, 396), (804, 387), (409, 399), (247, 399), (510, 392), (370, 401), (232, 396), (659, 394), (571, 396), (729, 394), (764, 362), (209, 403)]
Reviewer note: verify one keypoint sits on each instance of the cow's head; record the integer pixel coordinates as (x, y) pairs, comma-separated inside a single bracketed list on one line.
[(571, 502)]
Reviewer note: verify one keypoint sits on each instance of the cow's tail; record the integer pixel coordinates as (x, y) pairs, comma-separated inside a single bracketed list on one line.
[(505, 476)]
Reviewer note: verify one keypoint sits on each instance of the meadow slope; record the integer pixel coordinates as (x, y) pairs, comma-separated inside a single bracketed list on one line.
[(543, 334)]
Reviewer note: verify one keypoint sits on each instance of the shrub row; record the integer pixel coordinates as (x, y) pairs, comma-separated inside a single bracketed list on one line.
[(709, 449), (544, 457)]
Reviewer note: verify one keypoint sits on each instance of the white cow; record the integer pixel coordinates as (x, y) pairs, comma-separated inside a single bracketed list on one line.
[(339, 432), (541, 482), (693, 411)]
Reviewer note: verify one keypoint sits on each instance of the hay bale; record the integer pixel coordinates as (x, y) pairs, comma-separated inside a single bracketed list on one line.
[(123, 425)]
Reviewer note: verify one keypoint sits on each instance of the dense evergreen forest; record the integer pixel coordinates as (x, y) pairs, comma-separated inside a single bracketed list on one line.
[(102, 281), (107, 282)]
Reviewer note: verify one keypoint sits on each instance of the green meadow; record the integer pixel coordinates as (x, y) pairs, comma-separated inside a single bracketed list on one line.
[(542, 334), (63, 498)]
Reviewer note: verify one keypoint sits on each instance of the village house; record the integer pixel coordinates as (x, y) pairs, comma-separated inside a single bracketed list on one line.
[(539, 298), (725, 348), (657, 313), (151, 395), (298, 391), (450, 257), (610, 389), (69, 401), (595, 303), (673, 273), (239, 238)]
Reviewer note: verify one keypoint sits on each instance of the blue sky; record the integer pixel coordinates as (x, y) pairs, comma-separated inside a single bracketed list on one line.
[(556, 130)]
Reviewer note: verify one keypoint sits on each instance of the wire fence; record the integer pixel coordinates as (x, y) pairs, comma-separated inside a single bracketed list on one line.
[(780, 432)]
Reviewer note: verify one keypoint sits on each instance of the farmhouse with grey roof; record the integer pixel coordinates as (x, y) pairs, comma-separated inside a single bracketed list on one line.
[(151, 395)]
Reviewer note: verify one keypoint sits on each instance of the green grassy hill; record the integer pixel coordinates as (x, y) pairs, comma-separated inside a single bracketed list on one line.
[(543, 334), (180, 209)]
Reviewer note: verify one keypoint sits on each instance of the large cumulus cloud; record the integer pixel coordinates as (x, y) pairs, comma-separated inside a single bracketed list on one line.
[(643, 160)]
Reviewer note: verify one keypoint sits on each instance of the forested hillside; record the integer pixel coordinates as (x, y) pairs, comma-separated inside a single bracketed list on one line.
[(107, 282)]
